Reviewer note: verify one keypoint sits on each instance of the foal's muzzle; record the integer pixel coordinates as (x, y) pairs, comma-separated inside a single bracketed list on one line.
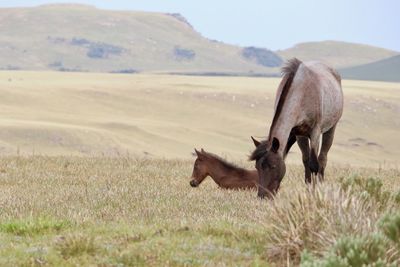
[(194, 183)]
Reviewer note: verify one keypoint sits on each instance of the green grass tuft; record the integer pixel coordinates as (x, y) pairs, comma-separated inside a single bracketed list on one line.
[(32, 226)]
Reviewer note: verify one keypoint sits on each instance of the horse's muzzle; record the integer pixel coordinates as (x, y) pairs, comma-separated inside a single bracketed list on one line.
[(261, 194), (194, 183)]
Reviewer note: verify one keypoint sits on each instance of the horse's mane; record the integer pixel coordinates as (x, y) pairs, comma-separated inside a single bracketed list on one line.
[(288, 72), (260, 151), (224, 163)]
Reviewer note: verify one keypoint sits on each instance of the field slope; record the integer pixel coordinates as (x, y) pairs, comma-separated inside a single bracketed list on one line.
[(57, 113), (337, 54)]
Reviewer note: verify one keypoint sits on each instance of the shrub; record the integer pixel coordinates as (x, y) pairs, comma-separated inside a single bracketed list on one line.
[(314, 220), (75, 245), (183, 54), (374, 249), (390, 226), (369, 250), (369, 188), (262, 56)]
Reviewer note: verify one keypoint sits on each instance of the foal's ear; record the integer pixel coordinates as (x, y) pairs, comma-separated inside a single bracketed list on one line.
[(275, 145), (256, 143)]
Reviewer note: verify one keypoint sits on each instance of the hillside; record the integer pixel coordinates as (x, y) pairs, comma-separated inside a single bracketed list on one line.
[(89, 114), (83, 38), (338, 54), (383, 70)]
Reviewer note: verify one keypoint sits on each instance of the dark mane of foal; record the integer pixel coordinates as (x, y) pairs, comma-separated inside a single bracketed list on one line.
[(227, 165)]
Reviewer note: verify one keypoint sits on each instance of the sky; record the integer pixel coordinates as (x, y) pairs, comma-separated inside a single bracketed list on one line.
[(277, 24)]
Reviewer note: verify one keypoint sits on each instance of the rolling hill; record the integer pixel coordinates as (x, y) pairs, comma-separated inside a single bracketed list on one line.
[(382, 70), (337, 54), (73, 37)]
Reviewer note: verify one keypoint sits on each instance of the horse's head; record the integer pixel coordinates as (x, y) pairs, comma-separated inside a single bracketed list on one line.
[(200, 168), (270, 166)]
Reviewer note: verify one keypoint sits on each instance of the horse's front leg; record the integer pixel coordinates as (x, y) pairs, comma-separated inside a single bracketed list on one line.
[(304, 146), (327, 140)]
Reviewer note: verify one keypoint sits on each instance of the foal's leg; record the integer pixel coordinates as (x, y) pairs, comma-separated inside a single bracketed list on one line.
[(327, 140), (304, 146)]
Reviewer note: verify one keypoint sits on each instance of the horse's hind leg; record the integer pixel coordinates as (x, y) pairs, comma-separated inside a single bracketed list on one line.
[(314, 144), (327, 140), (304, 146)]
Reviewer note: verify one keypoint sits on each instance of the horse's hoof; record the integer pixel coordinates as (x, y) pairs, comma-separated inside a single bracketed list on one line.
[(193, 183)]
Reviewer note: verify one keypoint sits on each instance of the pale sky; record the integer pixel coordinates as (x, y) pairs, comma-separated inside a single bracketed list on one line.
[(275, 24)]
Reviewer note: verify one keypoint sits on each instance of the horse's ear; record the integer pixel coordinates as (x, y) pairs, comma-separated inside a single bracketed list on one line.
[(275, 145), (256, 143), (202, 151), (197, 152)]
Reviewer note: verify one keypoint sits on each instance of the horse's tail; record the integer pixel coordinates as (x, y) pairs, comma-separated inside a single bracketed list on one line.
[(291, 67), (288, 72), (336, 75)]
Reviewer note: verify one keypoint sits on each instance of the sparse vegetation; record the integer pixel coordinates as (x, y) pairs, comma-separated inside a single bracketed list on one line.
[(97, 49), (125, 71), (183, 53), (262, 56)]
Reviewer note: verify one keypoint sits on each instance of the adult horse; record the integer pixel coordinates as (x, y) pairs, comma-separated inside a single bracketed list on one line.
[(308, 104)]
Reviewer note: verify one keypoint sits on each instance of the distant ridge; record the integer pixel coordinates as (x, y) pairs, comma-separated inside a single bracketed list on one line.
[(337, 54), (72, 37), (383, 70)]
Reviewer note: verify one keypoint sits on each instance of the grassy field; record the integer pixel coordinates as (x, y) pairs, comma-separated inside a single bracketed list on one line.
[(95, 170), (69, 211)]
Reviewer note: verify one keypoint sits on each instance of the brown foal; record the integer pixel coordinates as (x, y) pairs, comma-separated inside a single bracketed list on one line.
[(224, 174)]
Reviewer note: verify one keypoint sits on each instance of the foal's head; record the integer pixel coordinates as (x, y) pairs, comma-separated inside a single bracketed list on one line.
[(200, 168), (270, 166)]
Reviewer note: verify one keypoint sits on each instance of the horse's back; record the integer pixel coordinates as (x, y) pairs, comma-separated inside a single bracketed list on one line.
[(322, 87)]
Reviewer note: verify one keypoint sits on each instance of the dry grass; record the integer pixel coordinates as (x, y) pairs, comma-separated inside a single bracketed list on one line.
[(130, 211), (124, 205)]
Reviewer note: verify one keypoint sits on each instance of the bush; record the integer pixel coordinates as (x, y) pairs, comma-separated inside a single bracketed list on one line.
[(353, 252), (262, 56), (183, 54), (314, 220), (102, 50), (374, 249), (390, 226), (75, 245), (370, 188)]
